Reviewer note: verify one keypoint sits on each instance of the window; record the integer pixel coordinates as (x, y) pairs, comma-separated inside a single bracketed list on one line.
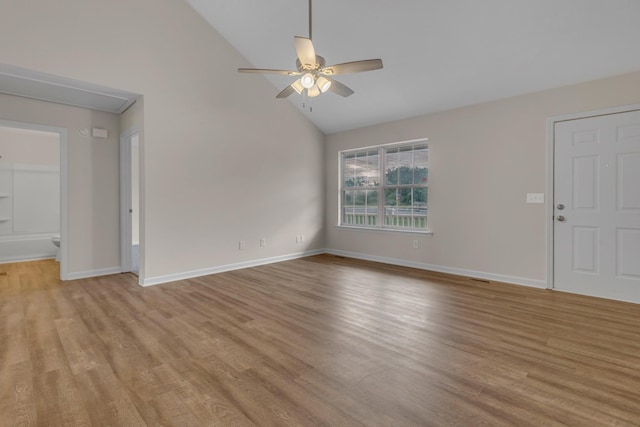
[(385, 187)]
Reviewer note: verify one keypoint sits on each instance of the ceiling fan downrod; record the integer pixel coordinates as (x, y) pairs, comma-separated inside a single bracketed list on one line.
[(304, 92), (310, 23)]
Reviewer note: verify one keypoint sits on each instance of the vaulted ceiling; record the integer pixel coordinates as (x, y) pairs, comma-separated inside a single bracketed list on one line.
[(437, 54)]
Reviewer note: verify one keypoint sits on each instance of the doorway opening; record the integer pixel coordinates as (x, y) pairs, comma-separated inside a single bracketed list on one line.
[(33, 193)]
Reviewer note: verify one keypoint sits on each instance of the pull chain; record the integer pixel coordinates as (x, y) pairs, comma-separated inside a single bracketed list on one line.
[(306, 100)]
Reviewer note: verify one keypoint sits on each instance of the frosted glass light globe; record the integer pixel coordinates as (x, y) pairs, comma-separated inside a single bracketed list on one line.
[(307, 80)]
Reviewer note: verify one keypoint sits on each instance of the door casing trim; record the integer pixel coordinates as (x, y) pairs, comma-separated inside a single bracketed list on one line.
[(125, 198)]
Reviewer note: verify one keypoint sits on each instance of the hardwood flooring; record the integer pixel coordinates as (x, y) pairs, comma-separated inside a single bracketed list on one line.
[(315, 341)]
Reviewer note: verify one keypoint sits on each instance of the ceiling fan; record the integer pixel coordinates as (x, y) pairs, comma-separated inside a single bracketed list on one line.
[(316, 78)]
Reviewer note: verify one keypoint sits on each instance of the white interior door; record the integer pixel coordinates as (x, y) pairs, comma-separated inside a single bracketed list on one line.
[(597, 206), (129, 201), (135, 203)]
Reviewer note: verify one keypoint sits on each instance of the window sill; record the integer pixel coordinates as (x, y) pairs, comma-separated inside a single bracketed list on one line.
[(386, 230)]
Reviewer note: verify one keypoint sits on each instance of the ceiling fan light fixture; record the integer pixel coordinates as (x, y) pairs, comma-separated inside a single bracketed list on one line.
[(313, 91), (324, 84), (297, 86), (307, 80)]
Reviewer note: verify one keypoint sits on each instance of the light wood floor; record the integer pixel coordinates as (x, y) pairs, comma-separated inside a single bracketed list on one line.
[(316, 341)]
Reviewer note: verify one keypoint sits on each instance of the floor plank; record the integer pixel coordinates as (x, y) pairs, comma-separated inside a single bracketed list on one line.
[(322, 340)]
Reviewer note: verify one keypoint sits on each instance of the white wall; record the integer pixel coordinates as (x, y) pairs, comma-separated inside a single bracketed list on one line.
[(93, 194), (223, 160), (29, 146), (483, 161), (29, 193), (32, 194)]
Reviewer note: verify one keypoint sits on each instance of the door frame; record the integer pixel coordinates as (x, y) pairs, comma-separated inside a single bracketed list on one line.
[(62, 138), (551, 124), (125, 199)]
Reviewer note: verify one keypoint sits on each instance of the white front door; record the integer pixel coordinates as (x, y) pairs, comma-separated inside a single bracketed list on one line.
[(597, 206)]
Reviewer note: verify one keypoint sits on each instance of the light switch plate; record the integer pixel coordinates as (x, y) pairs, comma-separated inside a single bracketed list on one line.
[(535, 197)]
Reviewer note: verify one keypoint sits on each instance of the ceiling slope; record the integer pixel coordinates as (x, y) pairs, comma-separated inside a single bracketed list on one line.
[(437, 54)]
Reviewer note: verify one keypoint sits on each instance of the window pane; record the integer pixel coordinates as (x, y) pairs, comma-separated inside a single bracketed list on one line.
[(348, 209), (404, 197), (420, 162), (391, 209), (420, 207), (348, 171), (391, 166), (405, 166), (367, 169), (405, 207), (390, 196), (360, 207), (361, 169), (372, 208), (398, 197), (420, 196), (348, 198), (421, 156), (421, 176), (372, 198), (400, 166)]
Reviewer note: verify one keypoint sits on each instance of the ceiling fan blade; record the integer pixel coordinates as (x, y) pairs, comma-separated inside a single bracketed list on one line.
[(340, 89), (352, 67), (306, 52), (268, 71), (286, 92)]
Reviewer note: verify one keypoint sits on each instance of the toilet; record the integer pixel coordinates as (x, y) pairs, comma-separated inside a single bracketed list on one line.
[(56, 241)]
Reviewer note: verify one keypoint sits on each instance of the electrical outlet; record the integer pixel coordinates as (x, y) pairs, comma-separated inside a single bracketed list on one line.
[(241, 245), (263, 242), (302, 238), (415, 244)]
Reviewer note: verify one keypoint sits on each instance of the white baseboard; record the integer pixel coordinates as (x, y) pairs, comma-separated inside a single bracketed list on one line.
[(93, 273), (523, 281), (6, 260), (540, 284), (150, 281)]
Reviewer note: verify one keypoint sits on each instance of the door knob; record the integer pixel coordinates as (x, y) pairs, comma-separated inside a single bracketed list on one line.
[(561, 218), (560, 206)]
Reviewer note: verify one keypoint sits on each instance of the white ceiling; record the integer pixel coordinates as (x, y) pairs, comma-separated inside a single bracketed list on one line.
[(437, 54)]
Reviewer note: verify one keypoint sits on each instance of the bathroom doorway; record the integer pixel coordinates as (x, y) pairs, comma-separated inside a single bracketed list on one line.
[(32, 192), (130, 201)]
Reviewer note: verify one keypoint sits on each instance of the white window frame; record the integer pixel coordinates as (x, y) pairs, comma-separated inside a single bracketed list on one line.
[(380, 188)]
